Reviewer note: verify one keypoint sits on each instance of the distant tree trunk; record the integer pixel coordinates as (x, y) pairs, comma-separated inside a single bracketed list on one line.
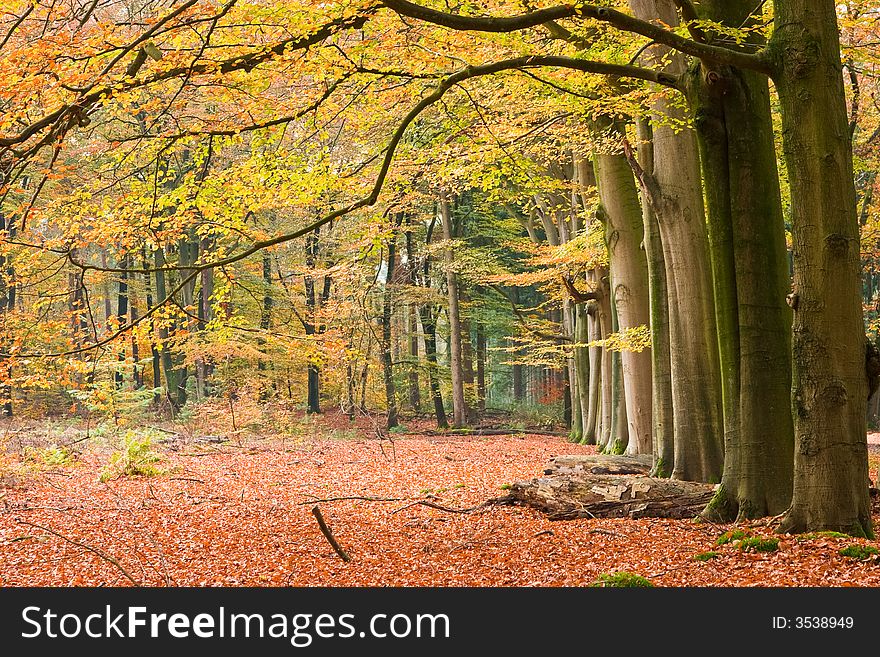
[(592, 427), (619, 438), (584, 374), (429, 325), (519, 390), (481, 367), (188, 254), (206, 313), (575, 421), (313, 398), (467, 352), (265, 324), (412, 312), (137, 369), (148, 298), (414, 392), (7, 303), (108, 294), (387, 314), (829, 383), (517, 373), (122, 313), (365, 376), (604, 319), (172, 378), (459, 406)]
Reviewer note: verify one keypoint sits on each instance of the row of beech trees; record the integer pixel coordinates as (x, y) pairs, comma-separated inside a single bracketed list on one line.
[(764, 387)]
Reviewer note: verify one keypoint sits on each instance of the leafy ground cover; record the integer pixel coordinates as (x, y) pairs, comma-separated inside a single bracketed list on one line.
[(238, 513)]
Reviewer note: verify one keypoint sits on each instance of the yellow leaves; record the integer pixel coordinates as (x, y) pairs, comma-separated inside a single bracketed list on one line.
[(636, 338)]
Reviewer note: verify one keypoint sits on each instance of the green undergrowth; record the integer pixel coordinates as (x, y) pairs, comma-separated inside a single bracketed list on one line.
[(622, 579), (705, 556), (136, 458), (860, 552), (53, 456)]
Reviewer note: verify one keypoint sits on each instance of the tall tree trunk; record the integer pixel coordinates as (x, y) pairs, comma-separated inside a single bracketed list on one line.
[(662, 410), (569, 325), (747, 238), (585, 375), (205, 313), (414, 391), (622, 216), (674, 189), (828, 380), (517, 370), (459, 406)]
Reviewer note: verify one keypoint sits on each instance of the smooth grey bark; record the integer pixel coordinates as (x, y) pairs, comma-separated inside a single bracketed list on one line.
[(663, 414), (674, 189), (622, 215)]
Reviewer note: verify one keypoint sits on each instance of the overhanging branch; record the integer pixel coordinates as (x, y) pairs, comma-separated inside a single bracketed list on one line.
[(625, 22)]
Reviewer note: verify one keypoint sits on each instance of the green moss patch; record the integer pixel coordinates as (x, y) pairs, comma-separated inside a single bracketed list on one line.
[(732, 536), (705, 556), (860, 552), (622, 580), (812, 536), (759, 544)]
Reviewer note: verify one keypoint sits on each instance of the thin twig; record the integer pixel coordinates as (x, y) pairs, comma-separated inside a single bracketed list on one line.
[(94, 550), (354, 497), (329, 535), (439, 507)]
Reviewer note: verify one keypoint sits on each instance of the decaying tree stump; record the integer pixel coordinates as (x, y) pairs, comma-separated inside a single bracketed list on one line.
[(580, 487)]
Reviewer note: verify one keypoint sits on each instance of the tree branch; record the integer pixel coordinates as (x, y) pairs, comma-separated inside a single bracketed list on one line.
[(444, 86), (718, 54)]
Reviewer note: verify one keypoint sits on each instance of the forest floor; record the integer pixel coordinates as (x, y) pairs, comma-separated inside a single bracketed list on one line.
[(238, 513)]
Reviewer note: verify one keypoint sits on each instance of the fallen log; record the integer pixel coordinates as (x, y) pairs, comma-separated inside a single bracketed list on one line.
[(569, 496), (598, 464)]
